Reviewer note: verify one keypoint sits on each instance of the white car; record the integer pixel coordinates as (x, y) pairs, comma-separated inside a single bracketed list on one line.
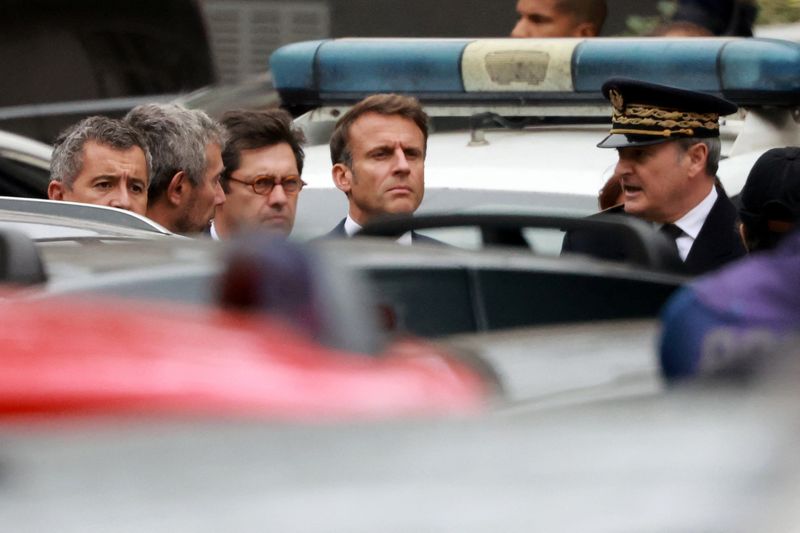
[(515, 122), (24, 166)]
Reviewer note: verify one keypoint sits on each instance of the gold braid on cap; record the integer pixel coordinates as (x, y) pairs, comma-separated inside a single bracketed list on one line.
[(672, 122)]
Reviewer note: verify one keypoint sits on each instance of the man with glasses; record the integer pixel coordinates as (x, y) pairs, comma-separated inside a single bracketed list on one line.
[(263, 162)]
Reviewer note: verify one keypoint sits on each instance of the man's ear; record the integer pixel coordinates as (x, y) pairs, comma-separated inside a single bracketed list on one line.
[(178, 188), (698, 155), (342, 177), (55, 190)]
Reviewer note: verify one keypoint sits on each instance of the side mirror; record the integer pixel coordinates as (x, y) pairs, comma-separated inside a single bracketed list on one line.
[(20, 262)]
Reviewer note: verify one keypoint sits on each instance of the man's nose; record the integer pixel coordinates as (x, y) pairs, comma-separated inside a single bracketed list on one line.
[(518, 29), (120, 198), (401, 163), (277, 196), (219, 195), (623, 167)]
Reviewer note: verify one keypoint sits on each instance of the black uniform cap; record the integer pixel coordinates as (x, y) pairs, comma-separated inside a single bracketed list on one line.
[(647, 113)]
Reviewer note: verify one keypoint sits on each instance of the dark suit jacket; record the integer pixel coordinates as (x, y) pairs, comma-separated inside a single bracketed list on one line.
[(717, 243), (339, 233)]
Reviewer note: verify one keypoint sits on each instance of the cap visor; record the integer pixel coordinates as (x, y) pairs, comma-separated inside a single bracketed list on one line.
[(617, 140)]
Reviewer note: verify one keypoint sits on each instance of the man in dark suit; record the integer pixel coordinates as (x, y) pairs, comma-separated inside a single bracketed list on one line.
[(669, 148), (378, 155)]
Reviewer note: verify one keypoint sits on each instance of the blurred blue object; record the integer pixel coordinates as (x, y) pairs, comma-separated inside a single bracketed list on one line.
[(733, 315)]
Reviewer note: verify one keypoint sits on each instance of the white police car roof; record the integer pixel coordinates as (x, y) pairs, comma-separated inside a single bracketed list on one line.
[(552, 164)]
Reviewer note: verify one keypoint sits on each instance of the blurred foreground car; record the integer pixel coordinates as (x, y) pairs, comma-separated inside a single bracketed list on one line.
[(264, 342), (515, 122), (716, 457), (359, 295), (112, 357)]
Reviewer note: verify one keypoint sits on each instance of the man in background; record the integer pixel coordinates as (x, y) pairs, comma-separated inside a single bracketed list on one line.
[(186, 147), (770, 198), (559, 18), (263, 161), (101, 161)]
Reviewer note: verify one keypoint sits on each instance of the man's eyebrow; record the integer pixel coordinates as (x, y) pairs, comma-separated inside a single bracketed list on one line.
[(379, 147)]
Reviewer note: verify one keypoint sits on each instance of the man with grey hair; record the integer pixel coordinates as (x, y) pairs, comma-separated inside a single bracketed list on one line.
[(559, 18), (101, 161), (187, 163), (668, 148)]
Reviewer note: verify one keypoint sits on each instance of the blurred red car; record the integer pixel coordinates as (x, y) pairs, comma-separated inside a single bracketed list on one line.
[(109, 356)]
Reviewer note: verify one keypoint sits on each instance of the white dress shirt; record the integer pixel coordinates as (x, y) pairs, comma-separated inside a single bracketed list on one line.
[(212, 231), (692, 222), (351, 227)]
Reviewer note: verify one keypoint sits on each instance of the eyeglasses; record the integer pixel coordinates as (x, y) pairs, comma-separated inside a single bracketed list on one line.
[(264, 184)]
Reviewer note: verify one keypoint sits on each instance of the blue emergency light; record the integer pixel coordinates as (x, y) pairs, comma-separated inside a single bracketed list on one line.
[(750, 72)]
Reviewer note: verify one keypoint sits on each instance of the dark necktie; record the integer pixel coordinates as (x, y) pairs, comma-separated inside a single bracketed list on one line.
[(672, 232)]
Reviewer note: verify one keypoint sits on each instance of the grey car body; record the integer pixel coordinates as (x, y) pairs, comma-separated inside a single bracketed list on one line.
[(714, 457)]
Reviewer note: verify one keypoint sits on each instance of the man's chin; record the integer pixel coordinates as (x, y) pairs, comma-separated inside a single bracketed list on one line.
[(642, 212), (634, 208), (280, 226), (402, 208)]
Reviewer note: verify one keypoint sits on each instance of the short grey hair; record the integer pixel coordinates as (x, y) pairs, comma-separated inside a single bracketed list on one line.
[(714, 146), (177, 137), (67, 160)]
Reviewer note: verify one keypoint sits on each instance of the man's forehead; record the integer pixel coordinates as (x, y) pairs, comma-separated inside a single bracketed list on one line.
[(268, 158), (98, 154), (539, 6), (370, 127), (94, 145)]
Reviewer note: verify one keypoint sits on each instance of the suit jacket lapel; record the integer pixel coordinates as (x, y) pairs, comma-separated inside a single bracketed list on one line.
[(718, 241)]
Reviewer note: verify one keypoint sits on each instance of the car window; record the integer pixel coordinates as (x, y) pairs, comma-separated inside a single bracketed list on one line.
[(21, 179), (428, 302), (513, 299)]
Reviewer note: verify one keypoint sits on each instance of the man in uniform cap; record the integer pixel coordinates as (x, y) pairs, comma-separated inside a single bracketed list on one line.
[(669, 148)]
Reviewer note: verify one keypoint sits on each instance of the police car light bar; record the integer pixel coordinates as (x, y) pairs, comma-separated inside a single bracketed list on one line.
[(750, 72)]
